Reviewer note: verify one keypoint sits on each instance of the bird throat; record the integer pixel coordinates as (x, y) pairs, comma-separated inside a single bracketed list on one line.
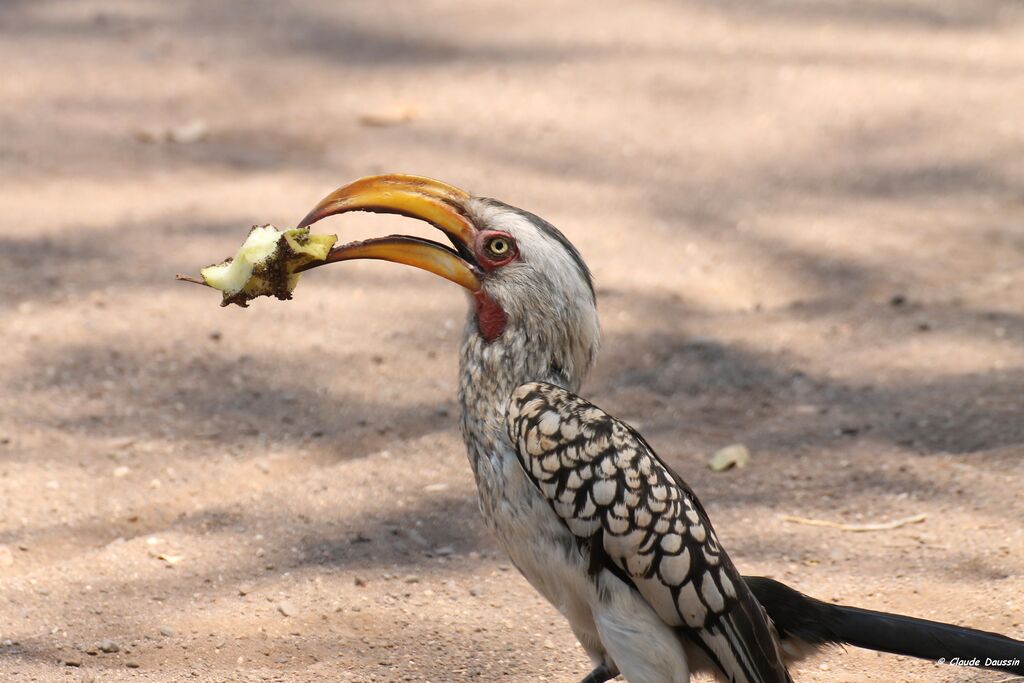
[(499, 353), (490, 317)]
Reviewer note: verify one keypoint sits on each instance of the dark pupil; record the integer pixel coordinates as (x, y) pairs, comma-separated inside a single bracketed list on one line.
[(499, 246)]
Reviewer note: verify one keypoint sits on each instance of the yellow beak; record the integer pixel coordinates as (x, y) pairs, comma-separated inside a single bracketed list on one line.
[(437, 203)]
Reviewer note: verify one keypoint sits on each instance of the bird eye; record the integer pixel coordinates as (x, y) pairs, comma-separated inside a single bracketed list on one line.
[(498, 246)]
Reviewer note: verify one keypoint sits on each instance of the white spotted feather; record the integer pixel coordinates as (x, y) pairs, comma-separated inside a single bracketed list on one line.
[(617, 496)]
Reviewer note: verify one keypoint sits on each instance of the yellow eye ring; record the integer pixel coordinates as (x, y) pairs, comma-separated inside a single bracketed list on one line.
[(499, 246)]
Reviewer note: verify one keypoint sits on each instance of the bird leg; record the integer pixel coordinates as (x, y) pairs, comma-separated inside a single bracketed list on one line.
[(600, 675)]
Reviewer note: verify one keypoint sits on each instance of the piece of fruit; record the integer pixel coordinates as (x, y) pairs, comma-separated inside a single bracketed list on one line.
[(265, 264)]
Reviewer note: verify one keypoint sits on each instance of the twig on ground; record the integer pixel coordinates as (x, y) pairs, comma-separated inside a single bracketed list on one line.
[(880, 526)]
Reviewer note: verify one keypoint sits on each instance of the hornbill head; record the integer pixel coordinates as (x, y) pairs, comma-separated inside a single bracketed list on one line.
[(522, 273)]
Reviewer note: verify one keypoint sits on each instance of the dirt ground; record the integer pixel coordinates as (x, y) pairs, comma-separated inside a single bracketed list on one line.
[(805, 219)]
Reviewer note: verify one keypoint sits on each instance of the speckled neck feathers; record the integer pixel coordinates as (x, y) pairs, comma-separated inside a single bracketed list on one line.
[(489, 371), (548, 332)]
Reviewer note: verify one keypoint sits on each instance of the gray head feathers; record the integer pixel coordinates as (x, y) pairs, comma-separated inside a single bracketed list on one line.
[(547, 293)]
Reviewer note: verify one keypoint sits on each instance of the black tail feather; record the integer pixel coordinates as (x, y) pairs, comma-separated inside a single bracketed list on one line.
[(820, 623)]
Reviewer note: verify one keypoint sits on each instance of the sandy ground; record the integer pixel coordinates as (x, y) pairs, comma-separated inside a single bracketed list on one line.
[(806, 221)]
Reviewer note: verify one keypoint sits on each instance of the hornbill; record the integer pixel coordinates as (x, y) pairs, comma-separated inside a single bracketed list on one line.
[(601, 526)]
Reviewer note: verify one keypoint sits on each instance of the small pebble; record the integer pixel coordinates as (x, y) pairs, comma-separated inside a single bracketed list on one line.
[(167, 631), (286, 608), (132, 664), (109, 646), (188, 133)]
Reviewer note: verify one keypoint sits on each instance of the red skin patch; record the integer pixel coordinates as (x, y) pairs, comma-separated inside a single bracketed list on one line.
[(490, 318)]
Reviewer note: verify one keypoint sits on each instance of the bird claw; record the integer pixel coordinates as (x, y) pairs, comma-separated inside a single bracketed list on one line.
[(600, 675)]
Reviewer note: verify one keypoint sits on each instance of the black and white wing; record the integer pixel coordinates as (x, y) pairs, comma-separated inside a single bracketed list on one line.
[(615, 495)]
